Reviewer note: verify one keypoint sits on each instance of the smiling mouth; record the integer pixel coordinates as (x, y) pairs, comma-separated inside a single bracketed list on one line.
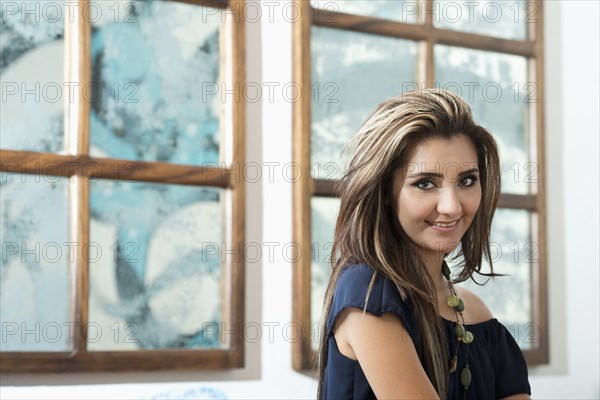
[(443, 224)]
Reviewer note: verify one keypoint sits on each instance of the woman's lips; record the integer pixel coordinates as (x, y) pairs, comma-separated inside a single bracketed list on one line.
[(444, 226)]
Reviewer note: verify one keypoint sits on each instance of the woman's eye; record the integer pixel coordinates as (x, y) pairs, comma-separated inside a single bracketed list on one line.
[(468, 180), (424, 184)]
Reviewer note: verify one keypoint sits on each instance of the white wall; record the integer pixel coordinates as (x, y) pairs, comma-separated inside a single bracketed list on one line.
[(571, 46)]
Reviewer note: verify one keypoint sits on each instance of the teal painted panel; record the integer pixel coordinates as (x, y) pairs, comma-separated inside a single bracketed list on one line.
[(157, 284), (32, 76), (154, 64), (35, 283)]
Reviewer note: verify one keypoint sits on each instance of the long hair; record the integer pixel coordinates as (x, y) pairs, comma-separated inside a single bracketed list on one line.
[(367, 230)]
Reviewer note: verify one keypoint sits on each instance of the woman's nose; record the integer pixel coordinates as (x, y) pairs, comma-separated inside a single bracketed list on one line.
[(449, 202)]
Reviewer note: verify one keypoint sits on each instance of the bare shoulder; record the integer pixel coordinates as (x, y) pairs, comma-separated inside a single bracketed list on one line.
[(475, 308), (383, 347)]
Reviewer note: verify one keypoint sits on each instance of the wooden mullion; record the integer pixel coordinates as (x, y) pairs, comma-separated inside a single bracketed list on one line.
[(426, 60), (538, 353), (486, 43), (518, 201), (79, 231), (234, 281), (116, 361), (226, 197), (365, 24), (164, 173), (80, 188), (401, 30), (302, 354), (534, 357), (34, 355), (38, 163), (70, 120), (425, 69), (325, 187), (533, 33), (92, 168), (85, 79), (540, 283), (31, 162)]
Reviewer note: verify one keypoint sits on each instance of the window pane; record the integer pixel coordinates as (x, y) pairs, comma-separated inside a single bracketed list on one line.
[(32, 76), (503, 19), (324, 214), (153, 65), (496, 87), (34, 270), (514, 253), (157, 283), (351, 74), (396, 10)]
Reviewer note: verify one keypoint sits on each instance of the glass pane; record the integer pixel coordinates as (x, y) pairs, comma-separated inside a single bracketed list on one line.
[(34, 270), (32, 76), (395, 10), (514, 253), (154, 65), (351, 73), (156, 280), (324, 214), (504, 19), (496, 87)]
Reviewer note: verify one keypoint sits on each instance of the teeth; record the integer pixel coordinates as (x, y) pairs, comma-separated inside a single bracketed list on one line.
[(444, 225)]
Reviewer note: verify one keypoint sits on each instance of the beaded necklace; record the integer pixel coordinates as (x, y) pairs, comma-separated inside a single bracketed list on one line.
[(462, 335)]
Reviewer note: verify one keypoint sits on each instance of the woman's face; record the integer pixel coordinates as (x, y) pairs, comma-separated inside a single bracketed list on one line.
[(438, 193)]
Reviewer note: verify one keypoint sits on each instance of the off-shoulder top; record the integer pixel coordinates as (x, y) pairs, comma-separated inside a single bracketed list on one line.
[(497, 364)]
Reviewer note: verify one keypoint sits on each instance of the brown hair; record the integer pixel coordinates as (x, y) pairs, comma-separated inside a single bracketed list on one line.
[(367, 230)]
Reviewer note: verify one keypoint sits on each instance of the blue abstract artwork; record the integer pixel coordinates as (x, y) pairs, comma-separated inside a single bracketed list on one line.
[(151, 70), (32, 77), (157, 282)]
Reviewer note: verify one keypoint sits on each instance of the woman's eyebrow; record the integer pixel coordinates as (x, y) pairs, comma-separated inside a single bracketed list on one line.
[(429, 174), (425, 174), (470, 171)]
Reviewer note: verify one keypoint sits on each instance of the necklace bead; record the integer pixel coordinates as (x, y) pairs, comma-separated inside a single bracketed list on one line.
[(453, 364), (446, 270), (460, 307), (462, 335), (468, 337), (453, 300), (459, 330), (465, 377)]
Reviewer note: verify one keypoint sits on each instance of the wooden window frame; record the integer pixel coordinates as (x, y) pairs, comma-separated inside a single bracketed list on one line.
[(75, 165), (305, 188)]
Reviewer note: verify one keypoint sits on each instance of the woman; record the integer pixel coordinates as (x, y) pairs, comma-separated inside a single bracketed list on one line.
[(423, 182)]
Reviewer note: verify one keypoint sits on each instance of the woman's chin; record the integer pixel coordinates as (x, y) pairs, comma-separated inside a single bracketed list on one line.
[(440, 247)]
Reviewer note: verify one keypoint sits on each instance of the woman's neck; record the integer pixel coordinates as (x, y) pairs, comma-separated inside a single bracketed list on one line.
[(433, 263)]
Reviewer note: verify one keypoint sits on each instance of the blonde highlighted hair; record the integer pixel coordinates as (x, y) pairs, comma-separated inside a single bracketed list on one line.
[(367, 230)]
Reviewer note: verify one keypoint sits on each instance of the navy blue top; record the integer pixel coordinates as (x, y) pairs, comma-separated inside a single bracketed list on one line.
[(497, 365)]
